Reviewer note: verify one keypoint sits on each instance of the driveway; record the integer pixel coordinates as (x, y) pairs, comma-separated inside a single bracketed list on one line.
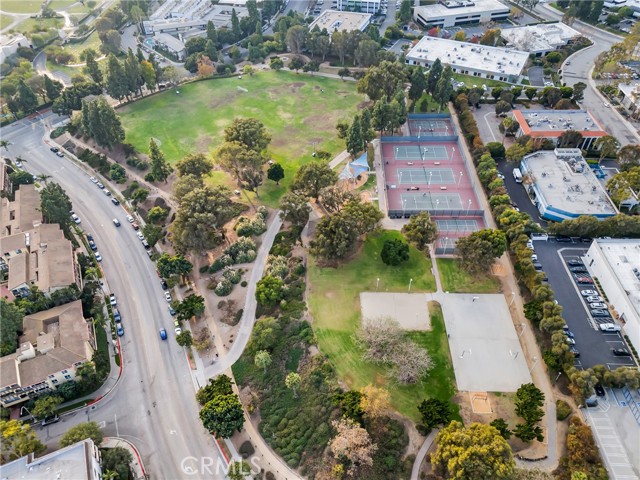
[(517, 192), (594, 346), (536, 76)]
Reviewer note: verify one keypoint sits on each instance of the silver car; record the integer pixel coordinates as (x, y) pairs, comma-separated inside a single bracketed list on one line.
[(597, 305), (594, 298)]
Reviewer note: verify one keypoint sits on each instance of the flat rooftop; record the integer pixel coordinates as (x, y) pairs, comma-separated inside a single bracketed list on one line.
[(334, 20), (507, 61), (541, 37), (457, 8), (551, 123), (623, 255), (567, 183)]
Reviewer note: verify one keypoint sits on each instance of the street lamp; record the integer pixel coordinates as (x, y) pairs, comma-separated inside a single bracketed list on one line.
[(404, 206), (419, 131), (523, 325), (453, 151), (446, 242), (460, 179), (377, 283), (25, 408), (410, 282), (513, 297), (468, 207)]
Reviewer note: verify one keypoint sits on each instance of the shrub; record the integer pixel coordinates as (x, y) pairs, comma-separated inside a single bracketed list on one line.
[(246, 449), (232, 275), (58, 131), (117, 173), (263, 212), (563, 409), (243, 283), (204, 269), (221, 262), (223, 288), (246, 257), (137, 163), (149, 177)]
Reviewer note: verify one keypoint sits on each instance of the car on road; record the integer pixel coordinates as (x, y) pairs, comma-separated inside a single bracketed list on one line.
[(594, 298), (112, 299), (534, 257), (537, 266), (146, 245), (563, 238), (568, 332), (164, 285), (575, 351), (586, 239), (605, 104), (570, 341), (92, 245), (60, 154), (583, 279), (609, 327), (575, 263), (100, 185), (76, 219), (620, 352), (597, 305), (600, 313), (98, 256), (119, 329), (129, 219), (587, 293), (140, 236), (167, 297), (116, 315), (115, 201), (172, 312), (178, 330), (18, 164), (107, 193), (54, 149), (578, 269), (116, 222), (48, 420), (93, 179), (135, 226), (163, 334)]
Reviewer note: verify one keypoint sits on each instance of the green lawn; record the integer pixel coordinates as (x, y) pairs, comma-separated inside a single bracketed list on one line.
[(71, 71), (335, 304), (65, 4), (293, 108), (21, 6), (470, 81), (5, 20), (30, 25), (93, 41), (456, 280)]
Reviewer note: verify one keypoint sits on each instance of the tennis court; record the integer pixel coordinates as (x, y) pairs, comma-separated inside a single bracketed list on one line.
[(431, 201), (421, 176), (456, 225), (420, 126), (415, 152)]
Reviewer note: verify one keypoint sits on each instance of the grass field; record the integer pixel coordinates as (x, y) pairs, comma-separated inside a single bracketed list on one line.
[(93, 41), (456, 280), (64, 4), (335, 304), (293, 107), (5, 20), (30, 24), (71, 71), (470, 81), (21, 6)]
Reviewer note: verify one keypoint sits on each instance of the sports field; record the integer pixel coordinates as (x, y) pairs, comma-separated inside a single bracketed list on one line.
[(298, 111)]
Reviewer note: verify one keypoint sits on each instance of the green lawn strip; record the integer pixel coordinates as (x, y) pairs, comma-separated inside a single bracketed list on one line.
[(456, 280), (335, 304), (56, 5), (73, 406), (71, 71), (21, 6), (103, 347), (470, 81), (292, 107), (28, 24), (93, 41), (5, 20)]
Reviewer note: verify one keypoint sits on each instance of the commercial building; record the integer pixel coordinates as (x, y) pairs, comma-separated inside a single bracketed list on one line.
[(334, 20), (551, 124), (562, 186), (363, 6), (33, 253), (540, 39), (9, 45), (630, 98), (450, 13), (481, 61), (172, 44), (54, 344), (80, 461), (616, 265)]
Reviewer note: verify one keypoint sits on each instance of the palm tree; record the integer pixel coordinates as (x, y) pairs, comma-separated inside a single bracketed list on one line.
[(5, 144), (43, 177)]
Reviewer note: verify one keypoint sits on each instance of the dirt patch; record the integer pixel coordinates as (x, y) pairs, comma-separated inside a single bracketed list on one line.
[(363, 105), (219, 101), (320, 122), (296, 86), (203, 142)]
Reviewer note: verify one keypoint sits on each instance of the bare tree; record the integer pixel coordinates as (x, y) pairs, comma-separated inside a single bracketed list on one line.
[(379, 337), (353, 443), (410, 362)]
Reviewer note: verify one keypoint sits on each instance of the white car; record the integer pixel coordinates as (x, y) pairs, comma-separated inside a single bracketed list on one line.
[(167, 297), (98, 257), (94, 179), (140, 236), (588, 293), (106, 192), (609, 327), (534, 258), (594, 298), (112, 300), (129, 219), (76, 219), (598, 305), (606, 105)]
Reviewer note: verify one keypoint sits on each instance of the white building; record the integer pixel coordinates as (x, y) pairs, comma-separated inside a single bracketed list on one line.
[(80, 461), (173, 44), (616, 264), (630, 98), (9, 45), (633, 4), (540, 39), (334, 20), (363, 6), (503, 64), (450, 13)]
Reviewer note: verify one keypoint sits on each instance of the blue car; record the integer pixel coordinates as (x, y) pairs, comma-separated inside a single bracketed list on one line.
[(171, 311), (163, 334), (119, 329), (116, 315)]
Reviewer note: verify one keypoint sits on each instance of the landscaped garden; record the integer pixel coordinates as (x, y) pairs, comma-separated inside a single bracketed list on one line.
[(457, 280), (298, 111), (335, 306)]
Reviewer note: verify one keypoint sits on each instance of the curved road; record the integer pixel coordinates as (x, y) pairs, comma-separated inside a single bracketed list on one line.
[(154, 404)]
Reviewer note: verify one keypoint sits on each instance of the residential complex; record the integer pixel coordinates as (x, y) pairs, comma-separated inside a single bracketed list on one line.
[(563, 187), (364, 6), (33, 253), (503, 64), (551, 124), (54, 344), (9, 45), (80, 461), (334, 20), (616, 264), (450, 13), (630, 99), (539, 39)]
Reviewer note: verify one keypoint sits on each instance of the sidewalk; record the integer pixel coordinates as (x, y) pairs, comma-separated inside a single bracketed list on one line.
[(137, 467), (426, 445)]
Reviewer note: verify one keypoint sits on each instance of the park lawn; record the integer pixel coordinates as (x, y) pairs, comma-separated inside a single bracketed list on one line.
[(334, 301), (64, 4), (93, 41), (71, 71), (21, 6), (5, 20), (291, 106), (433, 106), (456, 280), (470, 81), (28, 25)]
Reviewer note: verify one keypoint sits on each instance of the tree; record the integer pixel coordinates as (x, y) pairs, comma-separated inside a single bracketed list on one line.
[(184, 338), (111, 41), (46, 406), (502, 107), (18, 440), (296, 63), (420, 230), (375, 401), (191, 306), (221, 385), (10, 325), (344, 72), (578, 91), (244, 164), (444, 87), (478, 251), (116, 460), (55, 205), (100, 122), (382, 80), (354, 139), (27, 100), (418, 85), (478, 452), (292, 381), (149, 75), (435, 412), (238, 470), (262, 359), (159, 167), (460, 36), (116, 81), (223, 415), (405, 11), (502, 427), (516, 152), (157, 215), (296, 37), (490, 37), (335, 237), (173, 265), (249, 132), (529, 400), (352, 444), (275, 173), (434, 75), (608, 146), (528, 431), (276, 63), (91, 67), (394, 252), (53, 88), (81, 432), (295, 208), (269, 291), (311, 178), (570, 139), (530, 92), (629, 156), (196, 164), (334, 197), (5, 144)]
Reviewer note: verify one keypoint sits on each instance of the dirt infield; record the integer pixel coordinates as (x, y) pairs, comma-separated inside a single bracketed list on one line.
[(411, 311)]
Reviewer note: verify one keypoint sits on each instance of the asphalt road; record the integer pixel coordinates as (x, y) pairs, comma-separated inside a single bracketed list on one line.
[(517, 192), (594, 346), (154, 403)]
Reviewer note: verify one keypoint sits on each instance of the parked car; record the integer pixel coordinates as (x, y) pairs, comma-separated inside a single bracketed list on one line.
[(135, 226), (54, 149), (146, 245), (571, 341), (115, 201), (594, 298), (534, 258), (93, 179), (609, 327), (599, 389), (164, 285), (575, 262), (563, 238), (578, 269), (116, 222), (48, 420), (60, 154), (93, 245), (100, 185), (167, 297), (75, 219), (600, 313), (107, 193), (575, 351), (163, 334), (116, 315), (586, 239), (98, 256), (598, 305), (172, 312), (537, 266), (583, 279), (129, 219), (586, 293), (620, 352), (112, 300), (140, 236), (119, 329), (568, 332)]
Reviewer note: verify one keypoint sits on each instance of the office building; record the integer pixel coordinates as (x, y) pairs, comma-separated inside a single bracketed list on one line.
[(362, 6), (539, 39), (334, 20), (451, 13)]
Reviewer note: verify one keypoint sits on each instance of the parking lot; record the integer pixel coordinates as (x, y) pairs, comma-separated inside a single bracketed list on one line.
[(595, 347), (517, 192)]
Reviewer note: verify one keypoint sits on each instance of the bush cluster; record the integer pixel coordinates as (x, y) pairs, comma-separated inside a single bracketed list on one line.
[(137, 163), (241, 251), (223, 287)]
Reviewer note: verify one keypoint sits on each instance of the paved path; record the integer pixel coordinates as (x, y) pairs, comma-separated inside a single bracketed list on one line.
[(426, 445)]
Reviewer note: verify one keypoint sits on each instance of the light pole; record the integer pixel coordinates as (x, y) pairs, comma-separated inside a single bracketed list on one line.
[(460, 179), (453, 151), (535, 362), (523, 325), (513, 297), (468, 207), (377, 283), (404, 206), (446, 242), (314, 149), (419, 131), (25, 408), (410, 282), (437, 203)]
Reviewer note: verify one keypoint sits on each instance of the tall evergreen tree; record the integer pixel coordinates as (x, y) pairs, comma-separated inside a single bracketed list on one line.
[(27, 100), (402, 105), (148, 74), (102, 124), (91, 67), (53, 88), (418, 84), (210, 51), (444, 87), (159, 168), (116, 81), (434, 75), (354, 137), (365, 125), (134, 79), (212, 34), (235, 25)]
